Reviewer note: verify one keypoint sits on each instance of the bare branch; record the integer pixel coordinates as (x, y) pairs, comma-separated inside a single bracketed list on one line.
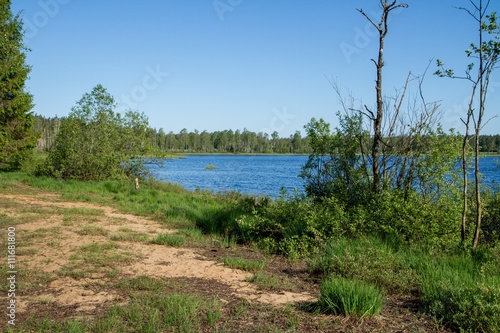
[(370, 112), (370, 20), (473, 15), (487, 121)]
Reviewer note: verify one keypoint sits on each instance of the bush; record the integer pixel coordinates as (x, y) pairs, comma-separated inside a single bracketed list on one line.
[(490, 225), (95, 143), (349, 297), (411, 219), (296, 225)]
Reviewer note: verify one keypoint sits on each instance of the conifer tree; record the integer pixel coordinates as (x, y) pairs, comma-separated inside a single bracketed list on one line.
[(17, 138)]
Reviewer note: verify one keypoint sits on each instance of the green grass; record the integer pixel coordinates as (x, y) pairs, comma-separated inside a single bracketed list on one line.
[(266, 282), (192, 233), (140, 283), (146, 312), (463, 292), (243, 264), (92, 230), (153, 312), (460, 291), (367, 259), (210, 167), (96, 258), (166, 203), (349, 297), (129, 235), (169, 239)]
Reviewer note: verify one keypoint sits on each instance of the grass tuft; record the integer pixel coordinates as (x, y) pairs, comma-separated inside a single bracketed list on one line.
[(92, 230), (243, 264), (349, 297), (169, 239)]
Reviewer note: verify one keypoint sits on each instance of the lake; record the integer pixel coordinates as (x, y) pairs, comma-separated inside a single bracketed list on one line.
[(256, 175)]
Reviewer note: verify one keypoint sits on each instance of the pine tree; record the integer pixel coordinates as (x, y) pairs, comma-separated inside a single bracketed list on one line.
[(17, 138)]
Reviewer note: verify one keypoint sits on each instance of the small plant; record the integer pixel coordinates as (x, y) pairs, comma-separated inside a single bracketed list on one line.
[(349, 297), (142, 283), (210, 167), (129, 235), (169, 239), (246, 265), (193, 233), (92, 230), (264, 281)]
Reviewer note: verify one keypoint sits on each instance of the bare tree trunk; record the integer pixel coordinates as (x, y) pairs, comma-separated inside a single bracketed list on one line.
[(463, 230), (478, 125), (377, 119)]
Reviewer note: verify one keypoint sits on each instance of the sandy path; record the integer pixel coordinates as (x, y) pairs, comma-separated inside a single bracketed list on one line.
[(54, 249)]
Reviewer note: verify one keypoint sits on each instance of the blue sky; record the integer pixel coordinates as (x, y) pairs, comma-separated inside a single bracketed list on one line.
[(233, 64)]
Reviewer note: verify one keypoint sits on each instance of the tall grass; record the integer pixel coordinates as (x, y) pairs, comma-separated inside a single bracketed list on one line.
[(461, 291), (349, 297)]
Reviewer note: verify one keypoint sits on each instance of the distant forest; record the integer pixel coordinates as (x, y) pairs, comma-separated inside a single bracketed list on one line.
[(226, 141)]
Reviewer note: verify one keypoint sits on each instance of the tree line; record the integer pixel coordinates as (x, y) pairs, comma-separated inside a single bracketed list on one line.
[(225, 141)]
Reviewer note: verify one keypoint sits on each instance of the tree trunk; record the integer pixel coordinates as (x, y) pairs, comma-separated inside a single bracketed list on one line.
[(377, 119)]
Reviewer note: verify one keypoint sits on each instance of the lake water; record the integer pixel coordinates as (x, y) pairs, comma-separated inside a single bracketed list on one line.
[(256, 175)]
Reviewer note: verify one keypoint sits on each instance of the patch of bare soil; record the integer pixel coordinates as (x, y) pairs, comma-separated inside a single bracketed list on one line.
[(149, 259), (64, 281)]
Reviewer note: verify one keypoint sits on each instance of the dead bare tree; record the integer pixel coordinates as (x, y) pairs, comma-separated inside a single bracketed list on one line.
[(377, 119)]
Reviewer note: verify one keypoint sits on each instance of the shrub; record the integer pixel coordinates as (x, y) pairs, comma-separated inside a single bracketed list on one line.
[(95, 143), (350, 297), (491, 219)]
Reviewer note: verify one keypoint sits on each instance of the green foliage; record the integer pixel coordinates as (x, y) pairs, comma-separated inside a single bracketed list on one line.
[(490, 225), (463, 292), (17, 138), (95, 143), (351, 298), (293, 225), (334, 167), (414, 220)]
